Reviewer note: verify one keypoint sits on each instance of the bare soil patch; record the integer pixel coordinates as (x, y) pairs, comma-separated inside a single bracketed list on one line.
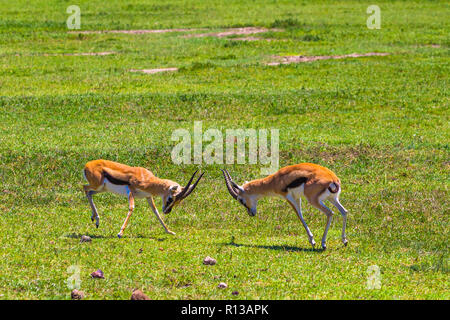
[(232, 31), (256, 39), (105, 53), (299, 59), (152, 71)]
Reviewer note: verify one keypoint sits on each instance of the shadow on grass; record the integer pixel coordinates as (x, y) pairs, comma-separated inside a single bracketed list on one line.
[(279, 248), (94, 236)]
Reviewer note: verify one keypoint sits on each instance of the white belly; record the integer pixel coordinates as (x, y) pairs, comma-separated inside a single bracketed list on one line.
[(123, 190), (298, 192), (117, 189)]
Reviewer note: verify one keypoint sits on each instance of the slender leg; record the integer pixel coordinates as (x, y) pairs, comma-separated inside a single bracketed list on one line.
[(130, 211), (297, 207), (343, 212), (155, 210), (319, 205), (94, 215)]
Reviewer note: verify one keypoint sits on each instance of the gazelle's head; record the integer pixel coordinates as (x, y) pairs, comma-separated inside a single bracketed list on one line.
[(175, 194), (248, 200)]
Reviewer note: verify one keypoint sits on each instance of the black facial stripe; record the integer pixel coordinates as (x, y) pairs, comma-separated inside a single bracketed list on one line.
[(244, 204), (296, 183)]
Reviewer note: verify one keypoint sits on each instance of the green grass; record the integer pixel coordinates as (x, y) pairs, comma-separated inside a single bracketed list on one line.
[(380, 123)]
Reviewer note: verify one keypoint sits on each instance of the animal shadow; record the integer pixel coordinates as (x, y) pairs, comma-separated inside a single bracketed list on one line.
[(275, 247)]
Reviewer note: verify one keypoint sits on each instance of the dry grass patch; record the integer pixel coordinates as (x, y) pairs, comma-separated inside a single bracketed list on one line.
[(152, 71), (232, 31), (299, 59)]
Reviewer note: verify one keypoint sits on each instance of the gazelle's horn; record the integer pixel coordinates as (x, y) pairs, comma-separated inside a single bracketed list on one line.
[(189, 190), (228, 183), (185, 189)]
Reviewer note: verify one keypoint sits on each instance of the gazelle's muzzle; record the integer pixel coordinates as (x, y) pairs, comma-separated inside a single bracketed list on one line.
[(169, 208), (187, 190)]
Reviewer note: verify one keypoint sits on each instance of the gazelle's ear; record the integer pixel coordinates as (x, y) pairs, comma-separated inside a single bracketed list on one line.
[(173, 189), (237, 186)]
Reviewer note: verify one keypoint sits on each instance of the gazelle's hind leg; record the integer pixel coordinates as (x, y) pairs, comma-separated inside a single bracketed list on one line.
[(130, 211), (94, 215), (343, 211), (317, 202)]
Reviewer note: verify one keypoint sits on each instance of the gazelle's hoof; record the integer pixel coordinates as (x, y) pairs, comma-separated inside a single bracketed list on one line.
[(324, 246), (92, 219), (119, 235), (171, 232), (96, 225), (345, 241)]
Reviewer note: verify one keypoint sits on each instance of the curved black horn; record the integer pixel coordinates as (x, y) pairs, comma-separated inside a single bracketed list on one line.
[(228, 182), (181, 194), (189, 191)]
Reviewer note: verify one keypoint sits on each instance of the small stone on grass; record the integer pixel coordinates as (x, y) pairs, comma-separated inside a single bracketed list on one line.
[(222, 285), (139, 295), (98, 274), (209, 261), (85, 239), (76, 294)]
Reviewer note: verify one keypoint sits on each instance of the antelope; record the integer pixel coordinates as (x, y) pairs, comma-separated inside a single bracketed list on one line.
[(134, 183), (314, 182)]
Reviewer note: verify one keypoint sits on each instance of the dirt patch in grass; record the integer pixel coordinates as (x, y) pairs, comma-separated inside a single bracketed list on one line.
[(135, 31), (152, 71), (232, 31), (256, 39), (104, 53), (299, 59)]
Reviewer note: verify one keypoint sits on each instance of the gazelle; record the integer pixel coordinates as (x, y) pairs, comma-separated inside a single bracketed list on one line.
[(133, 182), (314, 182)]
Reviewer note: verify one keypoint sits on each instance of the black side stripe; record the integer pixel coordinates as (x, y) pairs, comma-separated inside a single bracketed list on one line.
[(296, 183), (114, 180)]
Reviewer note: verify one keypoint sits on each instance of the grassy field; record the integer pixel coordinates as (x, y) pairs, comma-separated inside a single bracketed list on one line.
[(381, 123)]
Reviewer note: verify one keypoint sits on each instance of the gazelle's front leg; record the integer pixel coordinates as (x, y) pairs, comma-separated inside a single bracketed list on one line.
[(130, 211), (155, 210), (296, 204), (94, 215)]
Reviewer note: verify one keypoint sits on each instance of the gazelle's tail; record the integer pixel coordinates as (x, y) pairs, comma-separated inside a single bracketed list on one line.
[(334, 187)]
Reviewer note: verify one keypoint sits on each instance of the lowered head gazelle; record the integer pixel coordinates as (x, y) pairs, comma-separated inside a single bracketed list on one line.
[(314, 182), (133, 182)]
